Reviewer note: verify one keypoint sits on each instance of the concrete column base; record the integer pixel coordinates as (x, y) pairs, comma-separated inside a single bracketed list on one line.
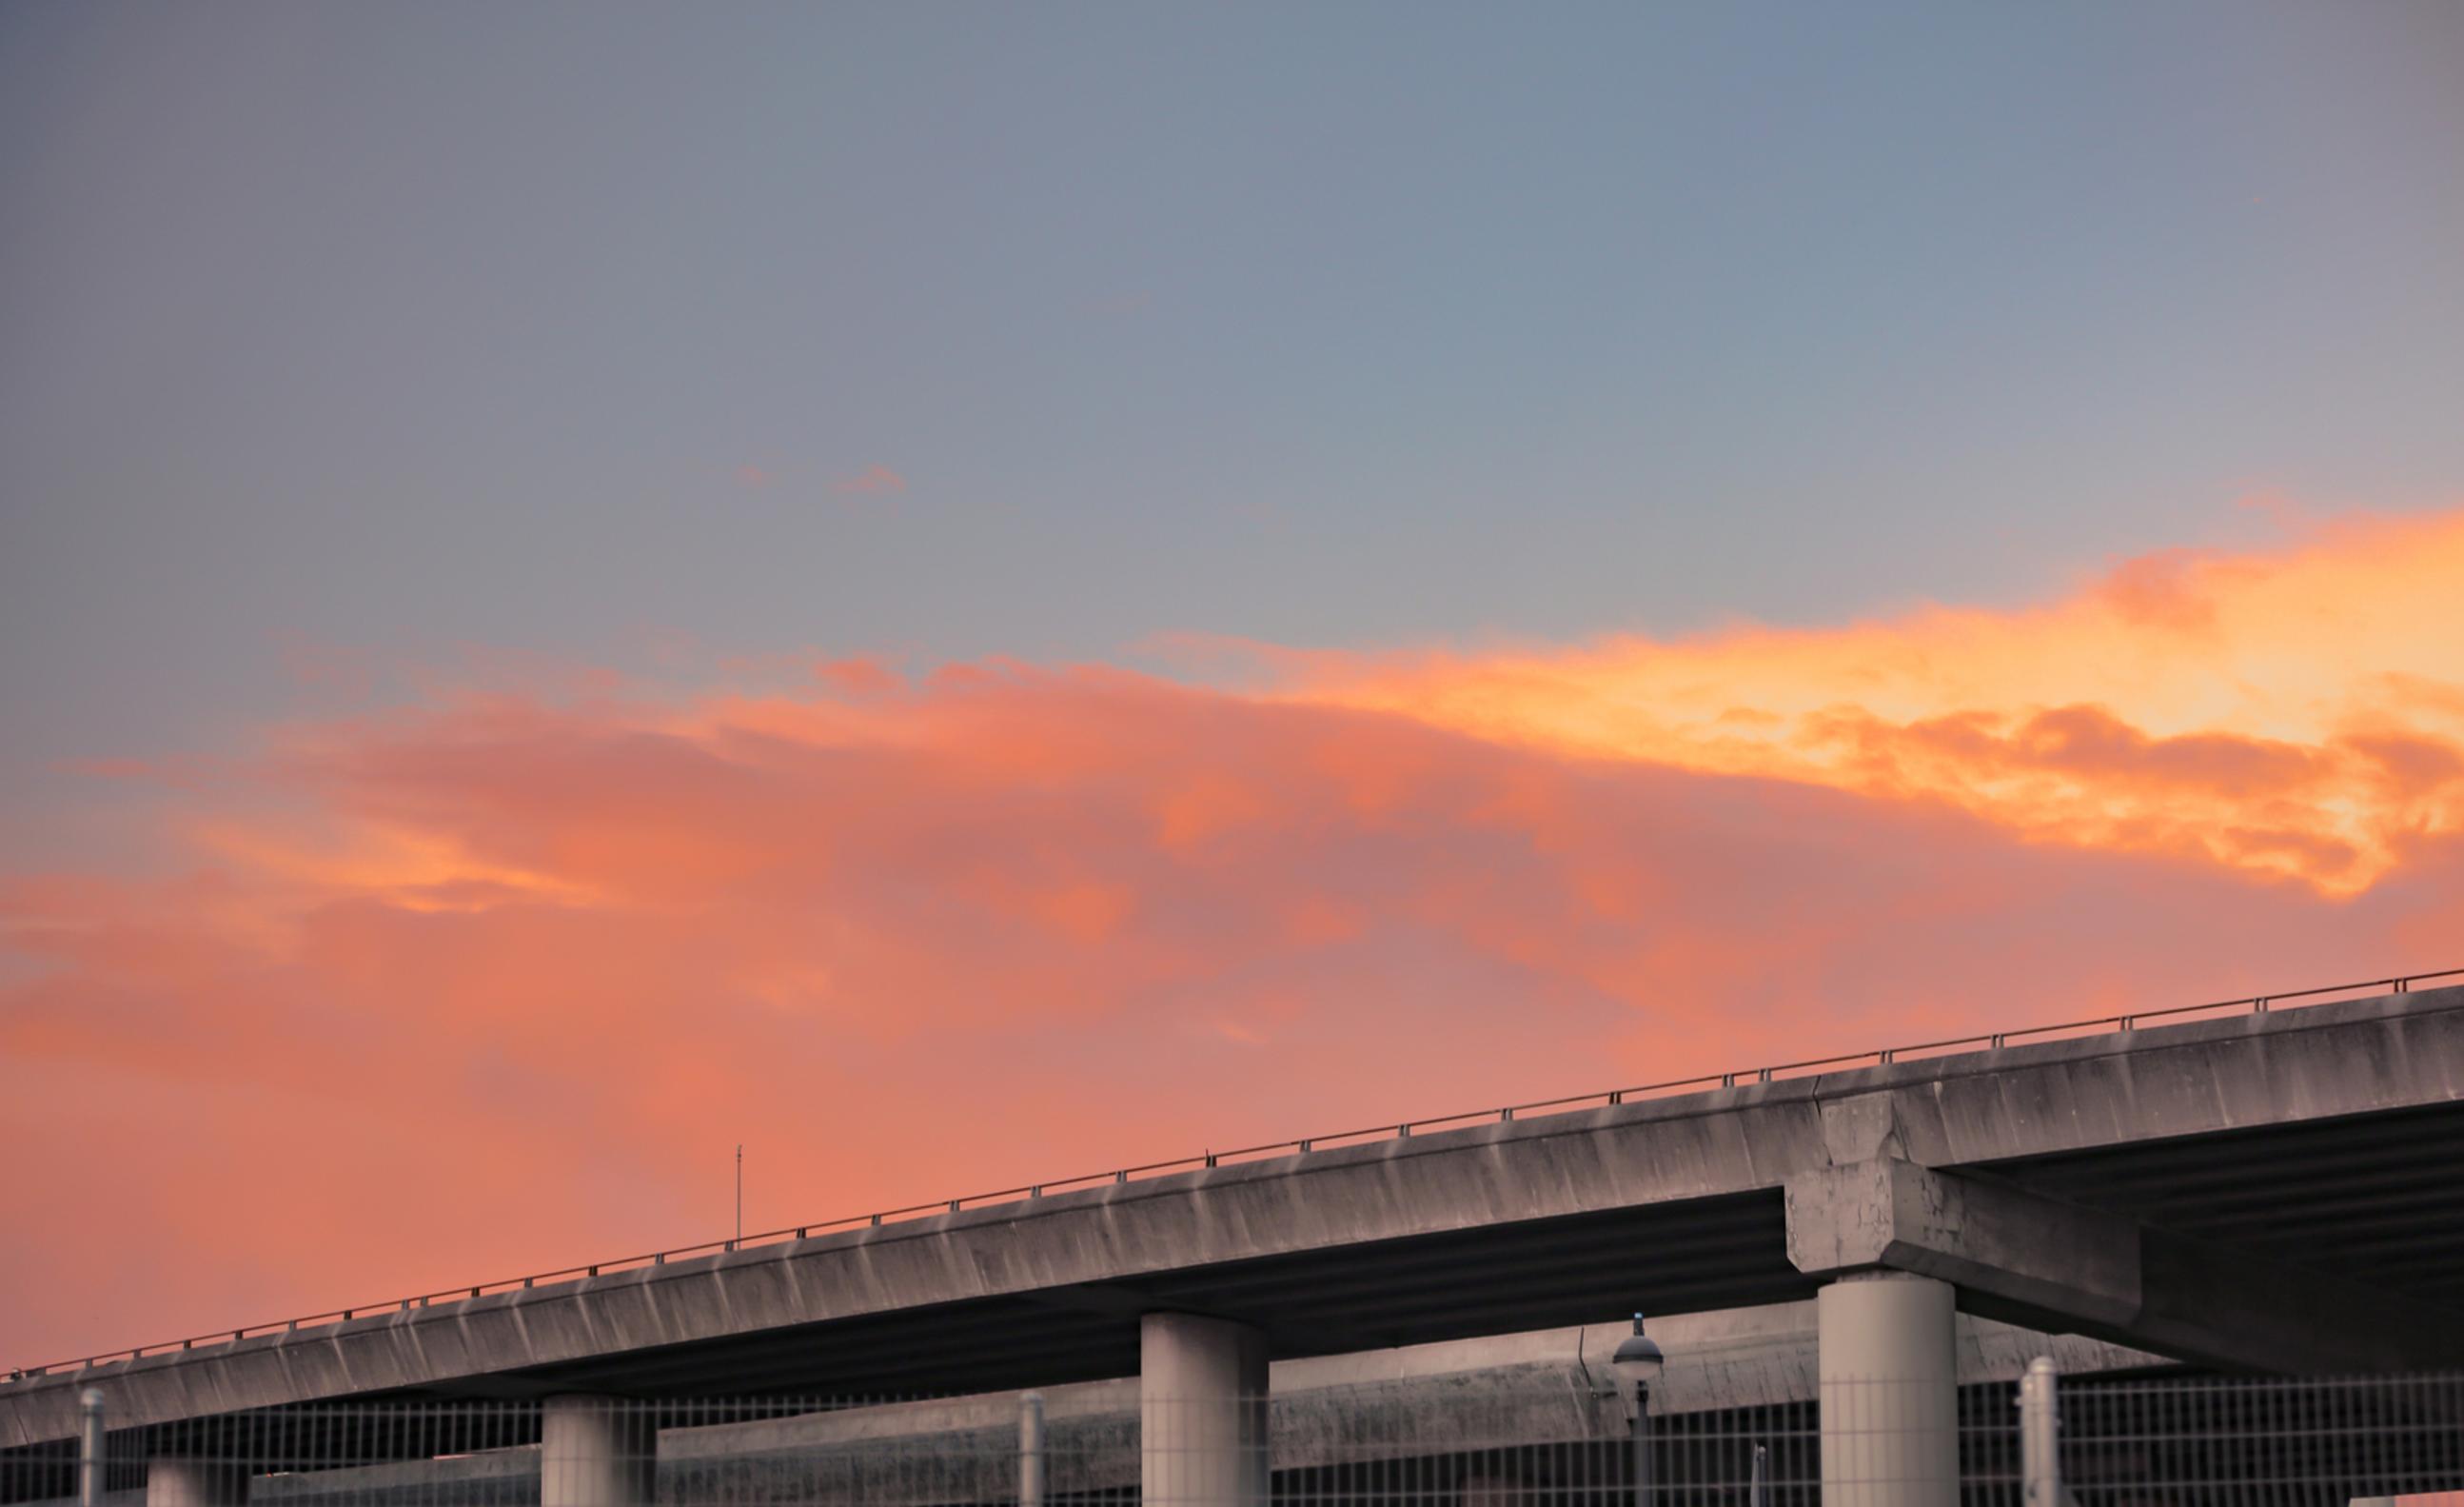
[(1202, 1412), (597, 1451), (1888, 1368), (195, 1483)]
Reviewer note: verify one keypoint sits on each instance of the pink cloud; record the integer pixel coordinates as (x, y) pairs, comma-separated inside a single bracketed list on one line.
[(495, 981), (530, 966), (873, 479)]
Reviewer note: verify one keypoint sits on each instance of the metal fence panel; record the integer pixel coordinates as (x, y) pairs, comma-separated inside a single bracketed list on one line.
[(2210, 1441)]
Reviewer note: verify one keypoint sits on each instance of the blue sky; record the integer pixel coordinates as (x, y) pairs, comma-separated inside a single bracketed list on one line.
[(645, 336), (398, 328)]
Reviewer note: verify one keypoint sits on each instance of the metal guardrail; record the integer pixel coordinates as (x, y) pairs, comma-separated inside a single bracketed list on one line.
[(1703, 1082)]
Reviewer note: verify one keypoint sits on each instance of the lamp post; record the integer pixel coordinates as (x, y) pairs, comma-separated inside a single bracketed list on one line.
[(1637, 1360)]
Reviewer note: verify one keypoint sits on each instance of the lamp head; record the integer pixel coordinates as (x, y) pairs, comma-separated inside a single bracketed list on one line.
[(1639, 1357)]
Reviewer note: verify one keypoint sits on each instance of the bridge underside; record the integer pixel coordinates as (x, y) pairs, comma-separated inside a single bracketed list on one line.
[(1702, 1254), (2374, 1198), (2370, 1201)]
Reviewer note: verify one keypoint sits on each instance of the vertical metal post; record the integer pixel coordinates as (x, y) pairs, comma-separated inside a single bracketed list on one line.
[(2041, 1466), (1030, 1449), (1642, 1443), (1758, 1494), (90, 1447)]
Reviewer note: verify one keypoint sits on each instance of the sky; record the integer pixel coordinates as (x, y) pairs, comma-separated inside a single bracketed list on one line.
[(960, 595)]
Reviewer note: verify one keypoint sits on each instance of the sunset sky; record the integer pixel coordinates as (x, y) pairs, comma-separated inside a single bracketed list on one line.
[(963, 595)]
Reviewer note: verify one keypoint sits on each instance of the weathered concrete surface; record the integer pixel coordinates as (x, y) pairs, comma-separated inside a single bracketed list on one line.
[(2079, 1263), (2016, 1253), (2357, 1058)]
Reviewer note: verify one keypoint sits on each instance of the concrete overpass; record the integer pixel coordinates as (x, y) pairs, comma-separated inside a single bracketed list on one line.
[(2269, 1190)]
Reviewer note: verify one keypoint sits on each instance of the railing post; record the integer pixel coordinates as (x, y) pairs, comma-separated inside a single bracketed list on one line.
[(90, 1447), (2041, 1466), (1030, 1449)]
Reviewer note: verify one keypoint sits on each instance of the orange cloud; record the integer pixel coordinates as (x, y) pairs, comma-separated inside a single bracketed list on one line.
[(495, 981), (874, 479), (2299, 713)]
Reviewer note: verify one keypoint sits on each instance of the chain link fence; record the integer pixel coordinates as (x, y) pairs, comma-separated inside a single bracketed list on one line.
[(2039, 1442)]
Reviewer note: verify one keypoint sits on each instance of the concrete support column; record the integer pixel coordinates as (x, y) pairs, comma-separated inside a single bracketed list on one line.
[(597, 1451), (195, 1483), (1889, 1375), (1202, 1412)]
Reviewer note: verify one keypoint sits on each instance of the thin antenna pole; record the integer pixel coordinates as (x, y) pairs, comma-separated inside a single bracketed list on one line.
[(740, 1192)]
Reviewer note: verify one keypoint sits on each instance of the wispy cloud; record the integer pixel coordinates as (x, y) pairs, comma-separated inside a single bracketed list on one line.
[(873, 479), (2292, 711)]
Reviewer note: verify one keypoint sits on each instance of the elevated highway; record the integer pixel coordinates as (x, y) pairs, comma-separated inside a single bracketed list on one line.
[(2271, 1190)]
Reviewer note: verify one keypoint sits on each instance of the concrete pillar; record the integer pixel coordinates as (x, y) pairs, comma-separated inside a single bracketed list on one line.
[(2040, 1434), (597, 1451), (92, 1447), (1202, 1412), (1889, 1376), (1030, 1449), (195, 1483)]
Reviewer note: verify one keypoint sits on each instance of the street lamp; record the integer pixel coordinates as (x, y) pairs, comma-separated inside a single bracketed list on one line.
[(1637, 1360)]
